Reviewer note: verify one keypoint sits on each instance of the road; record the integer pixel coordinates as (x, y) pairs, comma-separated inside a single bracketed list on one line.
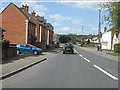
[(80, 70)]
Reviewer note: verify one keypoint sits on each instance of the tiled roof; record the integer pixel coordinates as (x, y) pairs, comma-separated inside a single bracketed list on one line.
[(32, 18)]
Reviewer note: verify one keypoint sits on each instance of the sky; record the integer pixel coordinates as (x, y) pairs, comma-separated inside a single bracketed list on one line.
[(77, 17)]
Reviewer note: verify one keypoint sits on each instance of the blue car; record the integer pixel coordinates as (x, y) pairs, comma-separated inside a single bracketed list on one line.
[(21, 48)]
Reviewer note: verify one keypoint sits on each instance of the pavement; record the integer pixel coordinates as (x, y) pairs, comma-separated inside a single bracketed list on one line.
[(22, 61), (102, 53)]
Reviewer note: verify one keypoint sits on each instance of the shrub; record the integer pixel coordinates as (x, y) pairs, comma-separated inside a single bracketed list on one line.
[(117, 48), (5, 44)]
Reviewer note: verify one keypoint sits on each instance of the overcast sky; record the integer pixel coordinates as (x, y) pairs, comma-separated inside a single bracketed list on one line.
[(66, 16)]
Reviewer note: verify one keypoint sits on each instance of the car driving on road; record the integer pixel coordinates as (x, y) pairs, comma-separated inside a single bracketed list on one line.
[(68, 48), (21, 48)]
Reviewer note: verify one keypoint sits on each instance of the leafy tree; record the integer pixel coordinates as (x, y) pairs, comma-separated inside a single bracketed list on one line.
[(73, 38), (113, 16), (64, 39)]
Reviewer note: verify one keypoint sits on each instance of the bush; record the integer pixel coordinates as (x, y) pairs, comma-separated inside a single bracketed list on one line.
[(5, 44), (117, 48)]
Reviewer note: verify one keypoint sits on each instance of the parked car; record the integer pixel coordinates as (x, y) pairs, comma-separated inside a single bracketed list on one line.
[(68, 48), (23, 48)]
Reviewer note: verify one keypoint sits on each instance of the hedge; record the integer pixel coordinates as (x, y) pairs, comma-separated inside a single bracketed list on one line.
[(4, 44), (117, 48)]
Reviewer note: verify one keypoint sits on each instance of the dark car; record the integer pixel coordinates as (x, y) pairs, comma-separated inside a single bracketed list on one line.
[(68, 48), (28, 48)]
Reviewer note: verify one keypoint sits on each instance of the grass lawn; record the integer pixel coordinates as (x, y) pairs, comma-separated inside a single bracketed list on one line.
[(114, 54)]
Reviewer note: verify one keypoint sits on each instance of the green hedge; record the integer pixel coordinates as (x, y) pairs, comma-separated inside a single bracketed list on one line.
[(117, 48), (4, 44)]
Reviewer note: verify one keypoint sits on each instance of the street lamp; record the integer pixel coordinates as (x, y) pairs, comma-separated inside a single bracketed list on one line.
[(99, 31)]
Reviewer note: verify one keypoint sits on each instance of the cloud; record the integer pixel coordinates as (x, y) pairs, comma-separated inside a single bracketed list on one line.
[(68, 30), (59, 18), (62, 19), (39, 9), (82, 4)]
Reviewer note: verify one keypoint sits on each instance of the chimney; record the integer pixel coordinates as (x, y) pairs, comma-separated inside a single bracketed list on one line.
[(25, 8), (33, 13), (105, 29)]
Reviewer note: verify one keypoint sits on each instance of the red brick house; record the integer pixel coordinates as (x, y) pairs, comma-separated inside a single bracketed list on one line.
[(49, 34), (23, 27), (20, 28), (43, 31)]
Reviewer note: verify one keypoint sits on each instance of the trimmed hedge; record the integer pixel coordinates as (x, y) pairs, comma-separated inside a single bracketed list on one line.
[(4, 44), (117, 48)]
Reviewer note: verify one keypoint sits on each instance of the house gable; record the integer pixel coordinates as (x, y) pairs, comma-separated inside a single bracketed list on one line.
[(14, 22), (18, 9)]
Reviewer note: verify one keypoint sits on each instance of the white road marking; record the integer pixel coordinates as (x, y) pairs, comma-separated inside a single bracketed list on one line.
[(86, 59), (80, 55), (76, 51), (113, 77)]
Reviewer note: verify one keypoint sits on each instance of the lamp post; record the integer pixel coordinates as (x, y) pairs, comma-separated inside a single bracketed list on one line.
[(99, 32)]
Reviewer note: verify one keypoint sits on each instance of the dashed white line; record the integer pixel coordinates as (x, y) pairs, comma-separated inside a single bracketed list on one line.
[(86, 59), (80, 55), (108, 74), (76, 51)]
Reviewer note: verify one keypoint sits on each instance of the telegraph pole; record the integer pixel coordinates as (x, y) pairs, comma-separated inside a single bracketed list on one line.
[(99, 32)]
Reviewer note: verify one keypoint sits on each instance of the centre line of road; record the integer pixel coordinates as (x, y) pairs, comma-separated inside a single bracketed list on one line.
[(76, 51), (80, 55), (86, 59), (108, 74)]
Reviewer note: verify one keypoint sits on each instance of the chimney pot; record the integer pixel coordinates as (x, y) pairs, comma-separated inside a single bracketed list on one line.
[(105, 29), (25, 8), (33, 13)]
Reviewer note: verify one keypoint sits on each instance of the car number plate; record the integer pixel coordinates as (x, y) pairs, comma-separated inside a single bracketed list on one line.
[(68, 48)]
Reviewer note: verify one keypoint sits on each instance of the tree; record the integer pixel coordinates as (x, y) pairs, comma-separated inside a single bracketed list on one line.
[(73, 38), (113, 16), (64, 39)]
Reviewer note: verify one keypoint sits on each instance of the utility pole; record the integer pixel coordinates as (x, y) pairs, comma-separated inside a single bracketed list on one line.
[(99, 32)]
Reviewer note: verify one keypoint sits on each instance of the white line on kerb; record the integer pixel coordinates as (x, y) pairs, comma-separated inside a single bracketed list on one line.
[(86, 59), (113, 77)]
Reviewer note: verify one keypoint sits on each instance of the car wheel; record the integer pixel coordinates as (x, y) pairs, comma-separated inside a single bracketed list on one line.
[(63, 52), (35, 52), (18, 52), (72, 52)]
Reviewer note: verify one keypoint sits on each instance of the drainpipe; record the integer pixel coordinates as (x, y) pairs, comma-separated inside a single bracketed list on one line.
[(26, 33)]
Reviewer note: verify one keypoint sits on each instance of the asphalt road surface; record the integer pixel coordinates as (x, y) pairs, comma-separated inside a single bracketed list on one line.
[(80, 70)]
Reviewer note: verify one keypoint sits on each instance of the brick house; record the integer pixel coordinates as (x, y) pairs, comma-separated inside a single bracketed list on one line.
[(49, 34), (20, 28), (43, 31), (25, 27)]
